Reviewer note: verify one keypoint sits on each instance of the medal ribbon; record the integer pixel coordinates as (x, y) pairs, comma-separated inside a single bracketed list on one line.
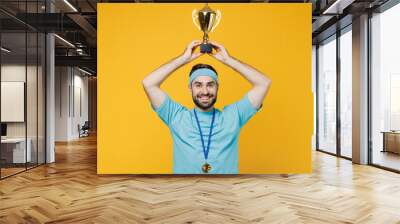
[(205, 150)]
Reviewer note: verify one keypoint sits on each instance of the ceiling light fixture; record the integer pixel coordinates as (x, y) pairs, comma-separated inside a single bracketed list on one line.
[(70, 5), (5, 50), (337, 7), (64, 40), (84, 71)]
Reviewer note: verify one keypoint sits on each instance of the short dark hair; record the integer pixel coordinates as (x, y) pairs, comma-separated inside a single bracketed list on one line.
[(199, 66)]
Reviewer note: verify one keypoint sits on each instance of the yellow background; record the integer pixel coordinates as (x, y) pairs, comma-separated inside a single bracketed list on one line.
[(135, 39)]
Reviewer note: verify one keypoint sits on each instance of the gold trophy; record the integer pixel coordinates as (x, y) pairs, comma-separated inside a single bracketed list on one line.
[(206, 20)]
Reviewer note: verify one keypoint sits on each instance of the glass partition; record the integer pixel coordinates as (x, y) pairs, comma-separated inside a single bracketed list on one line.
[(327, 95), (14, 154), (22, 88)]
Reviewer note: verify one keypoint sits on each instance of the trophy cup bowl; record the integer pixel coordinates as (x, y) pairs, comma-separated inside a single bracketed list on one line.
[(206, 20)]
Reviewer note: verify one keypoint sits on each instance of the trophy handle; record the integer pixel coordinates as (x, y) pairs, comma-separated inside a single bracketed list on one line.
[(195, 17), (217, 18)]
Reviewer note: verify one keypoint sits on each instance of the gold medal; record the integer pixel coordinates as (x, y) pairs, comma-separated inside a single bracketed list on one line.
[(206, 167)]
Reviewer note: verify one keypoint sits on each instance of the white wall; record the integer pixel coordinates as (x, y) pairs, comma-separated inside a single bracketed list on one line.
[(62, 78), (16, 73), (12, 101), (71, 93), (80, 84), (33, 127)]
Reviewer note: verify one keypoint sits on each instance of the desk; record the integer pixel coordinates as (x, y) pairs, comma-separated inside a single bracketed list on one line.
[(391, 141), (15, 148)]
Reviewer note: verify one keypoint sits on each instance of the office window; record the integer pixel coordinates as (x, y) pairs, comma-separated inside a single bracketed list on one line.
[(394, 102), (327, 95), (314, 90), (385, 88), (346, 92)]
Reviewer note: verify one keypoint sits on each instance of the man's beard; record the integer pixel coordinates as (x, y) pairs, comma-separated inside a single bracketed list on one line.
[(204, 106)]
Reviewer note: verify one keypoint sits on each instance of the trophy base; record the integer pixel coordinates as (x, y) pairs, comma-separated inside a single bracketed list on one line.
[(205, 48)]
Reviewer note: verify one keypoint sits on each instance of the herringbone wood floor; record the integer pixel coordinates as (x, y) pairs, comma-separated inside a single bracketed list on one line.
[(70, 191)]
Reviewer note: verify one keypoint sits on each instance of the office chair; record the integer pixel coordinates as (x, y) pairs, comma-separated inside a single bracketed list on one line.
[(84, 130)]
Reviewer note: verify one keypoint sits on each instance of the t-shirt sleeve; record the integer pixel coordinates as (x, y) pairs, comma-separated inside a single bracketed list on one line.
[(244, 109), (168, 110)]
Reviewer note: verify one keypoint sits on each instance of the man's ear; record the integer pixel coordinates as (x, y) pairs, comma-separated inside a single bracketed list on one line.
[(190, 88)]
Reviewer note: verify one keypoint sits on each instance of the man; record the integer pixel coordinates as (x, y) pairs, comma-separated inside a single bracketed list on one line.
[(205, 139)]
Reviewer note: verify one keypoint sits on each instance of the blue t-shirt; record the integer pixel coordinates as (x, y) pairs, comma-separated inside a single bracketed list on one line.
[(188, 150)]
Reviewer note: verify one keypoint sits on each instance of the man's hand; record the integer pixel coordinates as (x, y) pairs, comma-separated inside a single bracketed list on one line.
[(189, 54), (260, 82), (152, 82), (221, 54)]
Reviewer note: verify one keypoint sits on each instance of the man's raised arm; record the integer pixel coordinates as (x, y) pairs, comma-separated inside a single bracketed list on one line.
[(152, 82), (261, 83)]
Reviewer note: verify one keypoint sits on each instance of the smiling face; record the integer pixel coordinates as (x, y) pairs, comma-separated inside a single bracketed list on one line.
[(204, 92)]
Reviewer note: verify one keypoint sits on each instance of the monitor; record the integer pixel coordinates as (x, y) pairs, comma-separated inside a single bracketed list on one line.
[(3, 129)]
